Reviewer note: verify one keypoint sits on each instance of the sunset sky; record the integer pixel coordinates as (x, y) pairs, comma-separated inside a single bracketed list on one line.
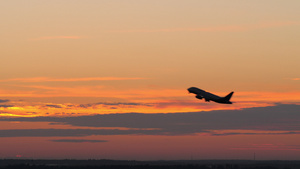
[(108, 79)]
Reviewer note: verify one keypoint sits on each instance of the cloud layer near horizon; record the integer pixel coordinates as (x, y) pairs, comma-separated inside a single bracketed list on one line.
[(279, 119), (79, 141)]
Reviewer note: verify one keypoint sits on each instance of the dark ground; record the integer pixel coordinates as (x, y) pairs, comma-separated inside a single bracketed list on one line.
[(122, 164)]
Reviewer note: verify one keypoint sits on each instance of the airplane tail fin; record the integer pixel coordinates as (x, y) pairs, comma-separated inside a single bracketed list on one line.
[(228, 96)]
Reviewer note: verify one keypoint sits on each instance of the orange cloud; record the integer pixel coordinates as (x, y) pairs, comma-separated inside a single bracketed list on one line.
[(47, 79), (225, 28), (89, 91), (57, 37), (160, 106), (296, 79), (140, 95), (139, 101), (116, 100), (268, 96)]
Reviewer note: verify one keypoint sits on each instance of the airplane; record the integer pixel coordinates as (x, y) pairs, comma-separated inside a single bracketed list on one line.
[(200, 94)]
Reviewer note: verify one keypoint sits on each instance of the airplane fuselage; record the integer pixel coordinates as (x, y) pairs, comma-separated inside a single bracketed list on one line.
[(209, 96)]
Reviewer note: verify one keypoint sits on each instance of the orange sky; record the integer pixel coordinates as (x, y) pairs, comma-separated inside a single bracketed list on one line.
[(77, 58)]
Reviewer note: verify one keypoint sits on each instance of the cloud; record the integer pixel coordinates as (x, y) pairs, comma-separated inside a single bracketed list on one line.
[(48, 79), (121, 103), (254, 133), (295, 78), (268, 147), (115, 104), (73, 132), (223, 28), (6, 106), (79, 141), (4, 101), (279, 119), (53, 106), (57, 37)]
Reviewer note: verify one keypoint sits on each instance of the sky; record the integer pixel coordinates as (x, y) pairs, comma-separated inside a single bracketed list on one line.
[(108, 79)]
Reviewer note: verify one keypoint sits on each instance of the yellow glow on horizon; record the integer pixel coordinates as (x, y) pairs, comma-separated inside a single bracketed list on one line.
[(137, 101), (160, 106), (15, 108), (16, 115)]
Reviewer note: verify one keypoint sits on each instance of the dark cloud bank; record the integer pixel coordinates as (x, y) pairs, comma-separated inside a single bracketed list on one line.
[(53, 106), (5, 106), (279, 119), (4, 101)]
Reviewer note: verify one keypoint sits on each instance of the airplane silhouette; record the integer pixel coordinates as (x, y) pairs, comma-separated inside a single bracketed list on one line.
[(200, 94)]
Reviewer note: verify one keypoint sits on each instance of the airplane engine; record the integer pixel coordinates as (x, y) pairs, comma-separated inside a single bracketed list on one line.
[(198, 97)]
